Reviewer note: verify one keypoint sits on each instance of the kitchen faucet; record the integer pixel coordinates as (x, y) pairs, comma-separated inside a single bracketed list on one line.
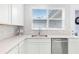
[(39, 33)]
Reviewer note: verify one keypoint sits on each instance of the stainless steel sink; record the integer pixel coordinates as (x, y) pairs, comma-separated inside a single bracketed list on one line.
[(39, 35)]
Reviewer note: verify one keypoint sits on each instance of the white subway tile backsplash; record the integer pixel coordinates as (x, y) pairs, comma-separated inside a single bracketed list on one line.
[(7, 31)]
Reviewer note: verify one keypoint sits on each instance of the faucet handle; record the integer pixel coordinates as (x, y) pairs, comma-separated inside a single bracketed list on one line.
[(45, 35)]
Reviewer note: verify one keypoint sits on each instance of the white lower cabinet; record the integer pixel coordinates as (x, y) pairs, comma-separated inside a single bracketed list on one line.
[(73, 46), (18, 49), (21, 47), (45, 46), (14, 50), (31, 47), (37, 46)]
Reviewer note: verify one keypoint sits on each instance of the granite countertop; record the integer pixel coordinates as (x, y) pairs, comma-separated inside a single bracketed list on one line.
[(7, 44)]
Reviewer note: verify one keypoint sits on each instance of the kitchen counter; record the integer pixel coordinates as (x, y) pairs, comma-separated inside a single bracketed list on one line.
[(7, 44)]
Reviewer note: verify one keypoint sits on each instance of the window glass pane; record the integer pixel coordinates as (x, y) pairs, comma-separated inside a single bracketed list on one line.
[(55, 23), (55, 13), (39, 23), (39, 13)]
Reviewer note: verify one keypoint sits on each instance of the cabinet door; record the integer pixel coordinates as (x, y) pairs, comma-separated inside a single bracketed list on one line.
[(37, 46), (31, 46), (45, 46), (21, 47), (73, 46), (4, 14), (18, 14), (14, 50)]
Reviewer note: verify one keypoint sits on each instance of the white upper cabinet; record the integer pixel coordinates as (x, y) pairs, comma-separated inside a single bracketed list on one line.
[(4, 14), (18, 14), (12, 14)]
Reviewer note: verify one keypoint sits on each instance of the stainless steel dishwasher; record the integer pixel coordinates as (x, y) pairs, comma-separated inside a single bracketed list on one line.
[(59, 46)]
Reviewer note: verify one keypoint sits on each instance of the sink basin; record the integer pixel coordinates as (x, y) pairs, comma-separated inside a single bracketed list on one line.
[(39, 35)]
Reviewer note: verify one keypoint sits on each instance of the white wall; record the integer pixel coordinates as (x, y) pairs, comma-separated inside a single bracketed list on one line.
[(28, 19), (7, 31), (75, 28)]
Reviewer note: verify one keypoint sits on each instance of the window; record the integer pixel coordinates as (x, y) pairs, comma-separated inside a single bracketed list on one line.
[(47, 19)]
